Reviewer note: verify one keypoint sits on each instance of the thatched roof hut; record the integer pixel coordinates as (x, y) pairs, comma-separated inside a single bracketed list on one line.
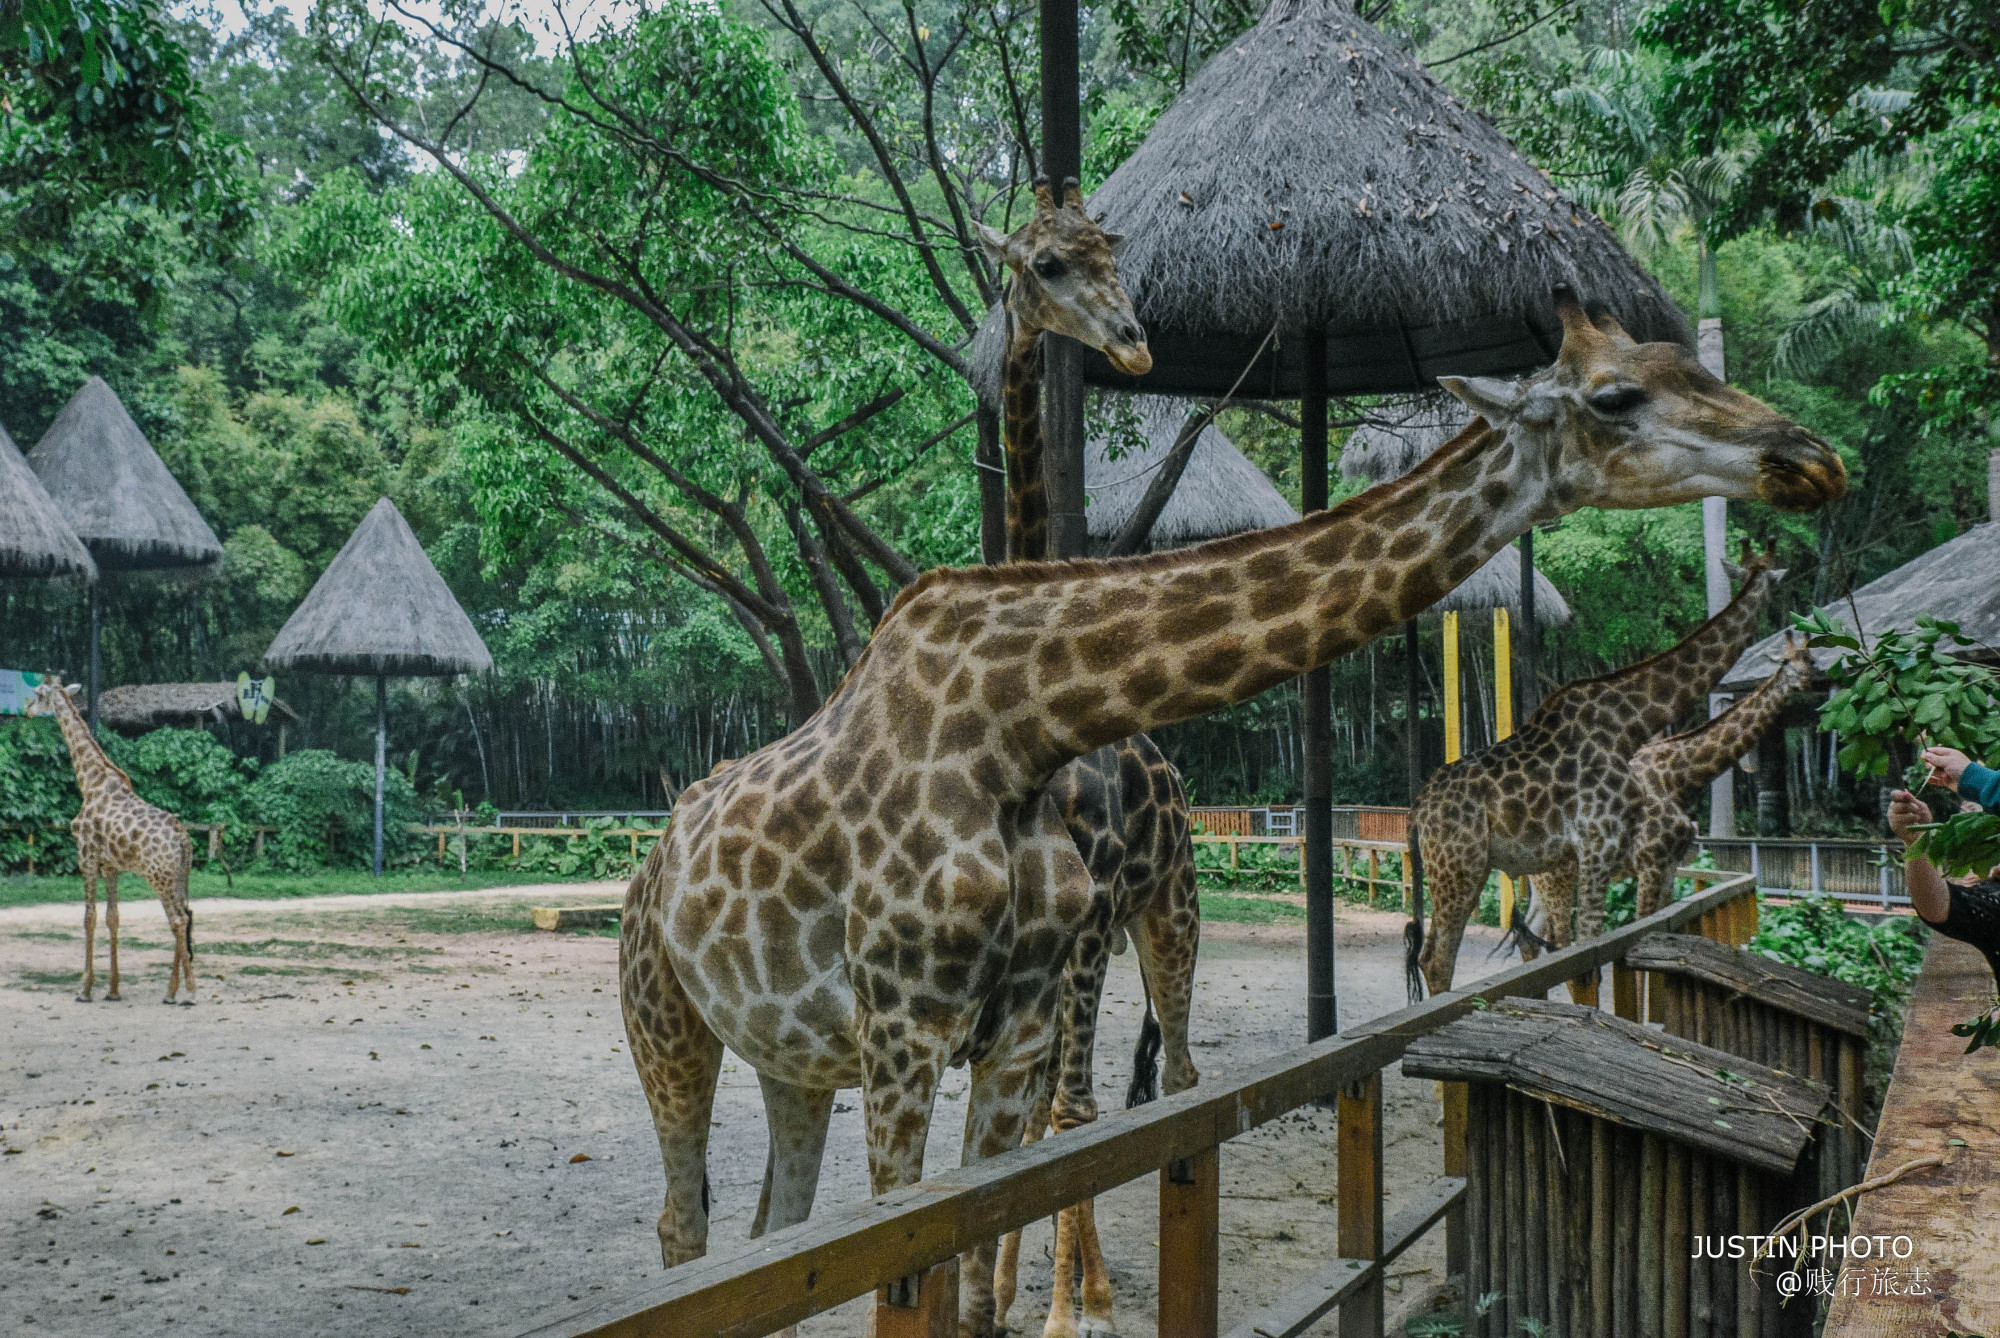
[(379, 608), (114, 489), (1314, 176), (143, 706), (1220, 491), (1398, 436), (35, 539), (1958, 581)]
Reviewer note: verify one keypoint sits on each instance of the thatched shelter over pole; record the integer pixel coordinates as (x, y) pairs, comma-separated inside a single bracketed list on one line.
[(120, 499), (380, 608), (1220, 492), (35, 539), (1314, 181)]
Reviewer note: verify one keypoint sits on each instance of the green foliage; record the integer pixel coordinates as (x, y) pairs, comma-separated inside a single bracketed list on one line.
[(1907, 687), (188, 772), (323, 810), (37, 796), (595, 854), (1817, 935)]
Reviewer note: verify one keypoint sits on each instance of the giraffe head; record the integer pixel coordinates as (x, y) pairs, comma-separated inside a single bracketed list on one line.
[(1066, 278), (48, 696), (1617, 423)]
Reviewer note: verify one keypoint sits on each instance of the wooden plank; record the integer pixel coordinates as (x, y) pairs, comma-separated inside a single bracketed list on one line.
[(1652, 1235), (1358, 1153), (847, 1251), (1951, 1213), (1713, 1099), (1190, 1200), (1831, 1003), (1454, 1097), (1625, 991), (555, 918)]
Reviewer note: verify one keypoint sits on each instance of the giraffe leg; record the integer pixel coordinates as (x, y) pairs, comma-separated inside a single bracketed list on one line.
[(1656, 855), (1454, 875), (1075, 1104), (797, 1118), (88, 867), (1007, 1268), (679, 1060), (180, 926), (1007, 1088), (1168, 938), (111, 930)]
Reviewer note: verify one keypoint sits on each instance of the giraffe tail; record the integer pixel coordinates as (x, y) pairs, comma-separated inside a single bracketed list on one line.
[(1518, 933), (1413, 951), (1145, 1084)]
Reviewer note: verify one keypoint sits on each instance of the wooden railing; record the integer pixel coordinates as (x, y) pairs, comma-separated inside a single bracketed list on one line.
[(917, 1232)]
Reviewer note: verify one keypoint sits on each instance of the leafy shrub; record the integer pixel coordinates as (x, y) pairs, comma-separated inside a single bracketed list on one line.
[(323, 810), (188, 772), (594, 854), (38, 796)]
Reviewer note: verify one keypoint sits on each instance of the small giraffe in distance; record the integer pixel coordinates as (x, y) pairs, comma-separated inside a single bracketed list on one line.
[(1558, 799), (118, 832), (1673, 772), (890, 890)]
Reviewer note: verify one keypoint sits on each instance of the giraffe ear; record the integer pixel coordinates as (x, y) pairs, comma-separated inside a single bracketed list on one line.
[(1116, 241), (1733, 572), (993, 242), (74, 689), (1498, 402)]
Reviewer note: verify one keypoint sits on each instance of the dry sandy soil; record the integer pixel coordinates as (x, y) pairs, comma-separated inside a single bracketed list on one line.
[(372, 1119)]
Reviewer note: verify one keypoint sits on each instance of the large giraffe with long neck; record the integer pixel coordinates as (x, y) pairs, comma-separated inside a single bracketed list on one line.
[(889, 891), (1673, 771), (116, 831), (1560, 793), (1123, 804)]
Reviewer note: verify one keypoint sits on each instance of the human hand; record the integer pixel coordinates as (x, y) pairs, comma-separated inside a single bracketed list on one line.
[(1947, 762), (1906, 811)]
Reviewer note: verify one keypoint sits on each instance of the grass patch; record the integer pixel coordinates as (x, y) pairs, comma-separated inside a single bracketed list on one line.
[(21, 890), (303, 947), (265, 969), (475, 918), (50, 979), (1249, 910)]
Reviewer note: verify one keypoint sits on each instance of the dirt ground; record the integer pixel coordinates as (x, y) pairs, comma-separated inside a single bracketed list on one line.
[(377, 1116)]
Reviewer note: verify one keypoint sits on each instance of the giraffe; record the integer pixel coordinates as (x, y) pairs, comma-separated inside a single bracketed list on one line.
[(1560, 792), (118, 832), (889, 890), (1123, 804), (1673, 771)]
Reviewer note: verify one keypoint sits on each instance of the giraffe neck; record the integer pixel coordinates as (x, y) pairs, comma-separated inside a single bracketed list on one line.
[(1640, 700), (1041, 664), (1021, 434), (1689, 761), (94, 771)]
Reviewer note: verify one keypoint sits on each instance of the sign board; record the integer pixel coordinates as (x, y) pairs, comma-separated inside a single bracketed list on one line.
[(254, 697), (16, 687)]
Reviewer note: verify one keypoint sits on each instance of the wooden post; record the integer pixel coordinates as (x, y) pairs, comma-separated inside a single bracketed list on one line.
[(935, 1312), (1603, 1235), (31, 854), (1625, 992), (1674, 1245), (1652, 1205), (1455, 1098), (1452, 740), (1316, 723), (257, 843), (1190, 1199), (1359, 1154), (1503, 725), (517, 845), (440, 847)]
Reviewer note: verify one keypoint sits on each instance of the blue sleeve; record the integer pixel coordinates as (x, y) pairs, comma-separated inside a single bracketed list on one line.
[(1981, 785)]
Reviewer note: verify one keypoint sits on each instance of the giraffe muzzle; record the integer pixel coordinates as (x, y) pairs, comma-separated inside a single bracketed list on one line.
[(1133, 359), (1801, 473)]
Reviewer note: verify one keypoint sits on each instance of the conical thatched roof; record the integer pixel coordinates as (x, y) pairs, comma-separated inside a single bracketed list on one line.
[(1497, 584), (380, 607), (1312, 175), (1220, 492), (1398, 436), (35, 540), (114, 489)]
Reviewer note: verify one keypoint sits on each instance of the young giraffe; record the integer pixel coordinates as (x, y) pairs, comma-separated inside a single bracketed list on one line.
[(1123, 805), (1673, 772), (889, 890), (1561, 790), (116, 831)]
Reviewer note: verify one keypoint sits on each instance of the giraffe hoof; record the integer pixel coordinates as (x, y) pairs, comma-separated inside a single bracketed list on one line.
[(84, 998), (114, 997)]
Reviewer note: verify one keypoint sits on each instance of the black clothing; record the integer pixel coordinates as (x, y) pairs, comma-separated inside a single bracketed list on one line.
[(1973, 916)]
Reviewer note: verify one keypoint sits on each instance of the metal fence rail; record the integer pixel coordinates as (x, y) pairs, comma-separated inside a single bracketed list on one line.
[(1857, 872), (845, 1252)]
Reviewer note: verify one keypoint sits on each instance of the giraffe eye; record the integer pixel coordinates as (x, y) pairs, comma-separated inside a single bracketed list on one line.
[(1617, 399), (1050, 267)]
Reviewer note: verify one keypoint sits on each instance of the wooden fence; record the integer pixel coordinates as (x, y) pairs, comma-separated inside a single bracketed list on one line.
[(913, 1235)]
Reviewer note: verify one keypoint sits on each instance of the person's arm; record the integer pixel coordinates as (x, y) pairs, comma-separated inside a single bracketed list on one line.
[(1972, 781), (1927, 886)]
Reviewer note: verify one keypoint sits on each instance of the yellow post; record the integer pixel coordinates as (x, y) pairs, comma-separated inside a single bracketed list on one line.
[(1451, 738), (1503, 723)]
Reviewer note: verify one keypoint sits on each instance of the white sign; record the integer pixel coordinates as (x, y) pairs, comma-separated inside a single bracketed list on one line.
[(254, 697)]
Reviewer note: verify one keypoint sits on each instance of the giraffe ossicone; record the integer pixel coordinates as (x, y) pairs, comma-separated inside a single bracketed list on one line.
[(889, 890), (118, 832)]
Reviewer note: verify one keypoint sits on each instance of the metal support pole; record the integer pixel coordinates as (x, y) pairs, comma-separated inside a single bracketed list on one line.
[(1715, 532), (1527, 688), (1062, 380), (1413, 750), (381, 759), (96, 661), (1316, 692), (991, 468)]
